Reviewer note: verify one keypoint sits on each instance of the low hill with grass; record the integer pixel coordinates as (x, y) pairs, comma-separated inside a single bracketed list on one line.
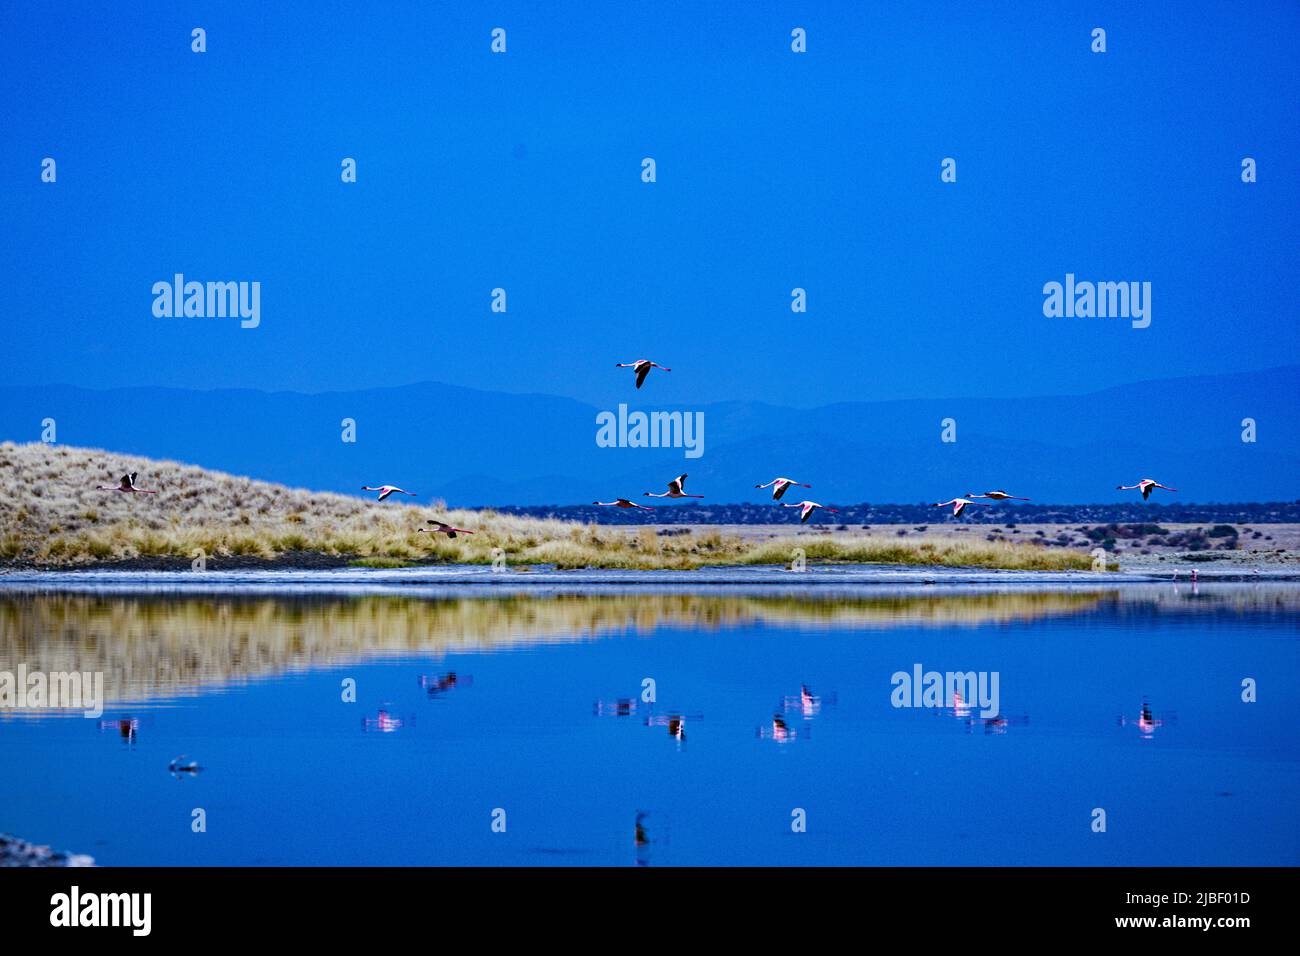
[(51, 515)]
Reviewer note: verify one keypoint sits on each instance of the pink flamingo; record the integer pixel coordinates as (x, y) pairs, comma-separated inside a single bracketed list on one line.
[(959, 505), (643, 367), (996, 496), (779, 486), (126, 483), (386, 490), (808, 508), (621, 503), (441, 527), (1145, 486), (674, 490)]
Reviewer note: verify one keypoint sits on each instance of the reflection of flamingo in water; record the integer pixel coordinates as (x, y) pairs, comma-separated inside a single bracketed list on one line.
[(126, 727), (807, 703), (778, 730), (383, 722), (959, 706), (963, 710), (182, 765), (623, 707), (676, 723), (1147, 722), (443, 682), (993, 725), (126, 483)]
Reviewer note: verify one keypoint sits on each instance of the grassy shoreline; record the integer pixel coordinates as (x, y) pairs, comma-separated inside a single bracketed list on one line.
[(52, 517), (685, 555)]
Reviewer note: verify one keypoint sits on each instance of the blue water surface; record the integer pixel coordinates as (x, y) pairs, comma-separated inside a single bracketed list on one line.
[(529, 735)]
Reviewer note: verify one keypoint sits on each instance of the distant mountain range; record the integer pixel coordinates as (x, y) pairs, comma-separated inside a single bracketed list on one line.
[(476, 448)]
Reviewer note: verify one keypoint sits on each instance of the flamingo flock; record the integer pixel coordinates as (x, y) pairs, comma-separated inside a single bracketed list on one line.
[(780, 485), (676, 488)]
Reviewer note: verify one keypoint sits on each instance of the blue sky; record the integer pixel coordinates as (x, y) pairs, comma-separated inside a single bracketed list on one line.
[(775, 171)]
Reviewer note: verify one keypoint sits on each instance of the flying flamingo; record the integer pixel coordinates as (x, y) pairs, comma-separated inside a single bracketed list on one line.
[(674, 490), (779, 486), (441, 527), (621, 503), (996, 496), (808, 508), (127, 484), (1145, 486), (386, 490), (643, 367), (959, 505)]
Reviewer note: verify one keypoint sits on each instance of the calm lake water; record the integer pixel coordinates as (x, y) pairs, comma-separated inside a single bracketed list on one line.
[(545, 721)]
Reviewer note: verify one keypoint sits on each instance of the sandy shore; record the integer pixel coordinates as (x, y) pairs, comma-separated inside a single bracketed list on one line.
[(1173, 546)]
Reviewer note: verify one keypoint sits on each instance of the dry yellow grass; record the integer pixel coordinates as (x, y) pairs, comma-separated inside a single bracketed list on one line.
[(51, 515)]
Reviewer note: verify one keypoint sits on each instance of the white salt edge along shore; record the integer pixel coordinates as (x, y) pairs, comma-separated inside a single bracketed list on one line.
[(482, 578)]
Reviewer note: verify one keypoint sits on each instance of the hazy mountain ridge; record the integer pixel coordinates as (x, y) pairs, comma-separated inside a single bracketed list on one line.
[(486, 448)]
